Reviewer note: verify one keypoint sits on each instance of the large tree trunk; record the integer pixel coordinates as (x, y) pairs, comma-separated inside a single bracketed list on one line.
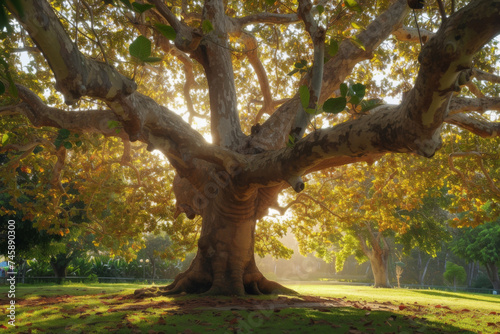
[(492, 270), (378, 253), (379, 260), (225, 262)]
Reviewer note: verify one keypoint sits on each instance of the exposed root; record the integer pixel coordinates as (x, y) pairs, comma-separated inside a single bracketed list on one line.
[(185, 285)]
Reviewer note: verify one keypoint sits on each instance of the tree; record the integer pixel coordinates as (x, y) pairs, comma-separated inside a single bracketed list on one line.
[(233, 181), (454, 273), (357, 210), (481, 244)]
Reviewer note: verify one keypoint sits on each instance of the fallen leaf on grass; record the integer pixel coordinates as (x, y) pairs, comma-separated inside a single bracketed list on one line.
[(401, 307)]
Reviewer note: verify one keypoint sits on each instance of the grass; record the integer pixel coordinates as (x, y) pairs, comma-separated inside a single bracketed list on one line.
[(108, 308)]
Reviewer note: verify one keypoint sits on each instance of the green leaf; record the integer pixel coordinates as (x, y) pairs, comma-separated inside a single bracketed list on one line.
[(291, 141), (299, 64), (270, 2), (355, 100), (2, 88), (79, 143), (343, 89), (207, 26), (333, 48), (141, 7), (358, 43), (166, 31), (63, 134), (321, 9), (140, 48), (353, 5), (153, 59), (68, 145), (311, 111), (335, 105), (5, 137), (304, 96), (359, 90)]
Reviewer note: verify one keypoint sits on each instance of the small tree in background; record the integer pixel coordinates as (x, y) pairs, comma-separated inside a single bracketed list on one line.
[(454, 274)]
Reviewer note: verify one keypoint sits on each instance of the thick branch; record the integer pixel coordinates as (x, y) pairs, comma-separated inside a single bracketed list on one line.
[(163, 129), (463, 104), (251, 51), (274, 131), (414, 125), (318, 35), (186, 39), (76, 75), (485, 76), (216, 60), (483, 128), (40, 115)]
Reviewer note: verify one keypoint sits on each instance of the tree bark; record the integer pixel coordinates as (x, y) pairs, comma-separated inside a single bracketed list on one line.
[(378, 255), (492, 270), (380, 267), (225, 262)]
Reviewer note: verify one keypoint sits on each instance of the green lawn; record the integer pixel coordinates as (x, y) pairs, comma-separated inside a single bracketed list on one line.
[(110, 308)]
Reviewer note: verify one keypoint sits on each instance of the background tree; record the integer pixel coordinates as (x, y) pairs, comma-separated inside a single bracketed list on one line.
[(359, 211), (233, 181), (481, 244), (454, 273)]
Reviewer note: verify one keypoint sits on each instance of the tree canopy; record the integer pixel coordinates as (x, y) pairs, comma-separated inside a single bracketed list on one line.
[(283, 89)]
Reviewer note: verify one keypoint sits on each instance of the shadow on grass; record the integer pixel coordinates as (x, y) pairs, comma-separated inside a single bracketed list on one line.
[(462, 295), (261, 319)]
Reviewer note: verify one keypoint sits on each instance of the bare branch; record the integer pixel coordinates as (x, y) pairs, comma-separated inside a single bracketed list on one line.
[(483, 128), (441, 9), (463, 104), (91, 12), (485, 76)]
